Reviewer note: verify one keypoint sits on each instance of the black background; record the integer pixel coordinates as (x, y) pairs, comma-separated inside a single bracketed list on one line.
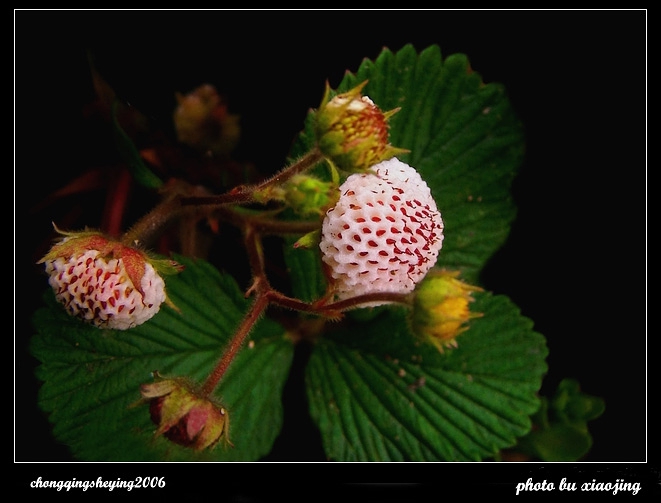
[(576, 258)]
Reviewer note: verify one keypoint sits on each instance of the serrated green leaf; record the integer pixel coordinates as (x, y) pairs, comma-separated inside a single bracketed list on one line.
[(92, 377), (378, 394)]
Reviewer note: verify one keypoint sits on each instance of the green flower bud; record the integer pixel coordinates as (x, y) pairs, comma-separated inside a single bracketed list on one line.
[(308, 195)]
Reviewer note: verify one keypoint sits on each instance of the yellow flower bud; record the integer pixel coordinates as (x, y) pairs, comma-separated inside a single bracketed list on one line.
[(441, 308)]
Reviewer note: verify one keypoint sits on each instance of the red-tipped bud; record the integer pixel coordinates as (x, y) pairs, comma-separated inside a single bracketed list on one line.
[(352, 132), (183, 416)]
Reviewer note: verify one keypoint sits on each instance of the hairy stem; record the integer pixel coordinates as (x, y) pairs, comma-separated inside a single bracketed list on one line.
[(334, 309), (259, 305), (245, 194), (362, 300), (266, 225), (265, 295), (261, 288), (147, 228)]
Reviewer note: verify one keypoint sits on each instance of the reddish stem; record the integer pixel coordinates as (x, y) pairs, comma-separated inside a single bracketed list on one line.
[(145, 229), (257, 308), (245, 194)]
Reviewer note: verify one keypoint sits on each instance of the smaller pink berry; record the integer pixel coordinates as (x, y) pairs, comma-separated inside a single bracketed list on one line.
[(384, 233), (104, 282)]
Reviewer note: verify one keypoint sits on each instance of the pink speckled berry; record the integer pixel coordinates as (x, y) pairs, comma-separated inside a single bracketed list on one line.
[(384, 233), (104, 282)]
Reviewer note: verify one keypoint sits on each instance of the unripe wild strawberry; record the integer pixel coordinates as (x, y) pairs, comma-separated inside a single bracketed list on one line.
[(384, 233), (352, 132), (184, 417), (441, 308), (105, 283)]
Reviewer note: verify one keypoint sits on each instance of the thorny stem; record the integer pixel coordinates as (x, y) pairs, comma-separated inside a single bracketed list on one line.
[(245, 194)]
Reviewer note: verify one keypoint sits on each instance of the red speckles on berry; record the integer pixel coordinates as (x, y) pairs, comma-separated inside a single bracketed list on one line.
[(103, 282), (392, 257)]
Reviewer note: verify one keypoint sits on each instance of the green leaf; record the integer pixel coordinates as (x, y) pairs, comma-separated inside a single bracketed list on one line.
[(572, 405), (378, 394), (561, 432), (91, 377)]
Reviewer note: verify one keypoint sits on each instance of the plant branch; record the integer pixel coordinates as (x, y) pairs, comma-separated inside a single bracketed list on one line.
[(265, 295), (363, 300), (245, 193), (259, 305), (267, 225), (261, 288), (146, 229)]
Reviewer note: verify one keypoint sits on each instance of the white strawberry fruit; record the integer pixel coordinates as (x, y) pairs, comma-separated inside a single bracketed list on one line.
[(384, 233), (105, 283)]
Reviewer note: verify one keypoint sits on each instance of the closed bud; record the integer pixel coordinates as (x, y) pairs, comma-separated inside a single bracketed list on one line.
[(183, 416), (441, 308), (203, 122), (308, 195)]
